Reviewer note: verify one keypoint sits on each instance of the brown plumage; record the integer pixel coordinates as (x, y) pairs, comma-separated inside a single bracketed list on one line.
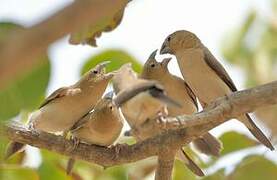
[(204, 74), (101, 127)]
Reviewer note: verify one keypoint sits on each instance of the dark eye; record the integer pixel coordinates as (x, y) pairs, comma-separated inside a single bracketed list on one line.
[(95, 71), (169, 38), (152, 65), (111, 107)]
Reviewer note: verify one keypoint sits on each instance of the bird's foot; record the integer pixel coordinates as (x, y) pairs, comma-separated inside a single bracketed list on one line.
[(35, 131), (75, 142), (117, 149)]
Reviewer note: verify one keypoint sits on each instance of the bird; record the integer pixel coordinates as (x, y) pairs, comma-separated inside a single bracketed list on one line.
[(205, 75), (65, 106), (148, 104), (100, 127), (178, 89)]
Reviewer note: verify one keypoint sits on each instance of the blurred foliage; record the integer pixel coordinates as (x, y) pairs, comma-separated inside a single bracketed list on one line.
[(28, 91), (255, 168), (89, 34), (116, 58), (241, 142), (13, 172), (252, 46)]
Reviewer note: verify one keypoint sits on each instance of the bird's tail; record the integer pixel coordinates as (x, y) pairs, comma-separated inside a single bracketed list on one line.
[(70, 165), (182, 155), (208, 144), (254, 129), (13, 148)]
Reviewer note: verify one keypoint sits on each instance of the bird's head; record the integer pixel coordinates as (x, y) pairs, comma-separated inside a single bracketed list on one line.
[(179, 40), (152, 69)]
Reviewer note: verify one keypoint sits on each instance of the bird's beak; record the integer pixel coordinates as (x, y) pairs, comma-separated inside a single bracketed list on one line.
[(103, 64), (153, 54), (165, 62), (165, 49), (109, 75), (109, 95)]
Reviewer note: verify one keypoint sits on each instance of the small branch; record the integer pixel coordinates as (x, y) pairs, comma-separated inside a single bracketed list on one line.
[(23, 47), (183, 130)]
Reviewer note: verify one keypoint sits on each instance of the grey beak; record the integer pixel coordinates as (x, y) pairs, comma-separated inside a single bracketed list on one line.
[(104, 63), (165, 49), (153, 54), (109, 95), (165, 61)]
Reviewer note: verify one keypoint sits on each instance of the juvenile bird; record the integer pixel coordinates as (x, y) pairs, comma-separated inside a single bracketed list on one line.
[(178, 90), (204, 74), (64, 107), (145, 105), (101, 127)]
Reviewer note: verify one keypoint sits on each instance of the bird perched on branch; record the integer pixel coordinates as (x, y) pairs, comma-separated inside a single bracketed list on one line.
[(101, 127), (144, 106), (179, 90), (204, 74), (64, 107)]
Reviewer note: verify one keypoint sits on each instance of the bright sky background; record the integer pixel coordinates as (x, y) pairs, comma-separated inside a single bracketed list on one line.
[(145, 25)]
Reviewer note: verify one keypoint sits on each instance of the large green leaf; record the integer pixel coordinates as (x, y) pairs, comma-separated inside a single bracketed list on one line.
[(28, 90), (116, 57), (12, 172), (234, 141), (255, 167)]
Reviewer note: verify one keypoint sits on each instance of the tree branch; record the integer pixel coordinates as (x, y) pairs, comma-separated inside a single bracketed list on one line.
[(165, 167), (22, 47), (182, 131)]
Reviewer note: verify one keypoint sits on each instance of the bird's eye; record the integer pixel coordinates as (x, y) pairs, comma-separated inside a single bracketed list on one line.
[(95, 71), (111, 107), (169, 38), (152, 65)]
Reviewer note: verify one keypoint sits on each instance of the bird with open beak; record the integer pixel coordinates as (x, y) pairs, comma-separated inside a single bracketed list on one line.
[(64, 107), (204, 74), (178, 90)]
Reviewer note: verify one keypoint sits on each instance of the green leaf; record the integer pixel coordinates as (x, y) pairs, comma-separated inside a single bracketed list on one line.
[(11, 172), (180, 171), (254, 167), (234, 141), (116, 57), (26, 92), (234, 48), (89, 34)]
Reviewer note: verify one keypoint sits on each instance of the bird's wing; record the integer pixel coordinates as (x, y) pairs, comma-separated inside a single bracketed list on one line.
[(191, 94), (61, 92), (80, 123), (130, 92), (219, 69)]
